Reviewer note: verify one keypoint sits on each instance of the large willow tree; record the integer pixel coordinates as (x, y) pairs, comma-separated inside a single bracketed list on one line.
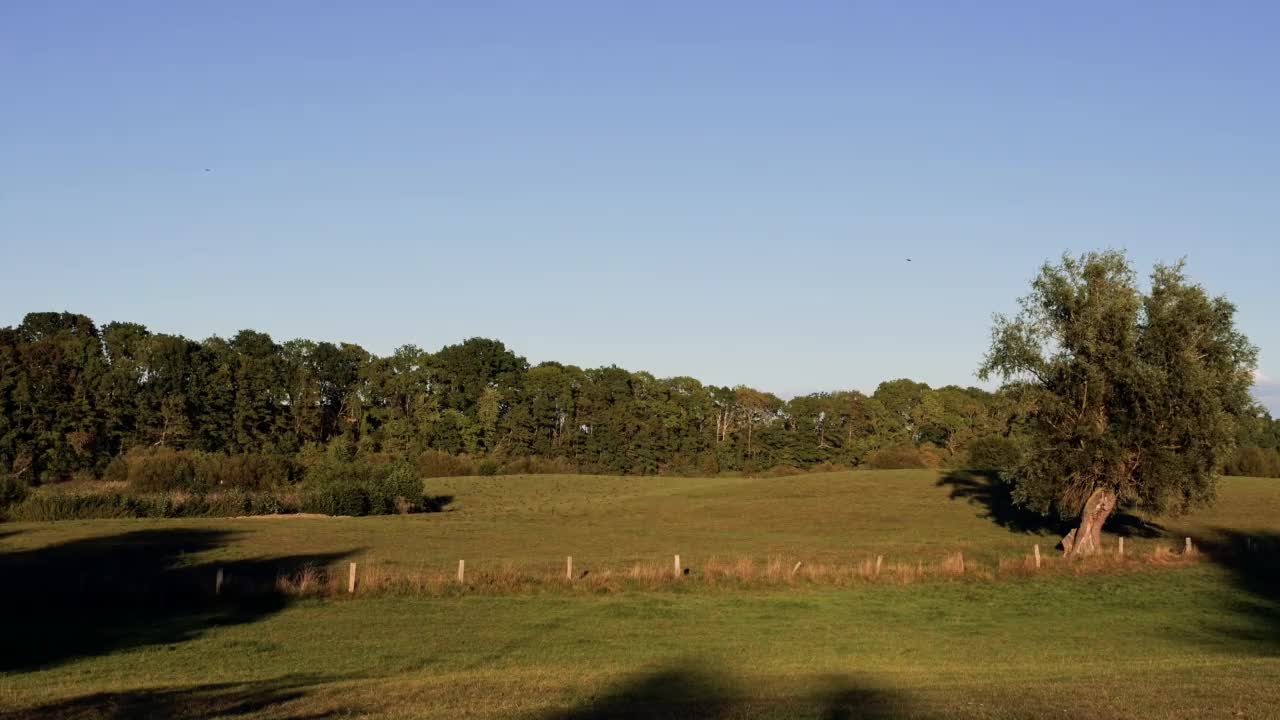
[(1132, 397)]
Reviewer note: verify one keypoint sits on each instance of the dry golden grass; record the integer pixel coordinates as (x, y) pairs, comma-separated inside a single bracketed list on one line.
[(741, 572)]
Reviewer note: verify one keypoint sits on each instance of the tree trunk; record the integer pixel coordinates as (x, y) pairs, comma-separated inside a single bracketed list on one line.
[(1087, 539)]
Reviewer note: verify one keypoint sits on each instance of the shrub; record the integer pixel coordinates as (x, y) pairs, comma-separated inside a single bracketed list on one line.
[(358, 488), (708, 464), (160, 470), (337, 488), (72, 506), (399, 491), (930, 455), (12, 492), (45, 506), (828, 466), (246, 471), (534, 465), (434, 463), (488, 467), (164, 469), (237, 502), (1253, 462), (901, 458), (778, 471), (993, 453), (117, 470)]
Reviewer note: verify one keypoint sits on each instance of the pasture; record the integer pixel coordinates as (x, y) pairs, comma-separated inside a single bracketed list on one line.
[(1143, 639)]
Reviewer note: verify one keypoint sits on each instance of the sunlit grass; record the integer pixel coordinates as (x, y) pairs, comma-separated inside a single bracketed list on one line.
[(747, 635), (534, 522)]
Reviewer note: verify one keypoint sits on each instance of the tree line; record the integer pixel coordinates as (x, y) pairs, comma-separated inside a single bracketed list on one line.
[(74, 396)]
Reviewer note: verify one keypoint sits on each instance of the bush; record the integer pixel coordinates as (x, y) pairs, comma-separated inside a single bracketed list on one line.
[(358, 488), (708, 464), (69, 506), (160, 470), (337, 488), (993, 453), (245, 471), (828, 466), (488, 467), (117, 470), (56, 505), (778, 471), (434, 463), (163, 469), (399, 492), (534, 465), (235, 503), (902, 458), (1253, 462), (12, 492)]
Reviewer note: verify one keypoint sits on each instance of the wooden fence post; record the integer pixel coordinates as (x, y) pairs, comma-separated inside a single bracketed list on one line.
[(1121, 546), (961, 556), (1188, 549), (568, 568), (217, 583), (1037, 557), (351, 579), (462, 571), (677, 565)]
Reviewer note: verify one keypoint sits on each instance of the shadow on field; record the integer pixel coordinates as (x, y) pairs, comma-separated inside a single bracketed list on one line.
[(987, 490), (179, 703), (1253, 561), (689, 693), (96, 596), (437, 503)]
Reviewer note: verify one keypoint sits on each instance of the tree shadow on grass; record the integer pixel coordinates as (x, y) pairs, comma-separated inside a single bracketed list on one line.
[(1252, 560), (101, 595), (180, 703), (986, 490), (437, 503), (690, 693)]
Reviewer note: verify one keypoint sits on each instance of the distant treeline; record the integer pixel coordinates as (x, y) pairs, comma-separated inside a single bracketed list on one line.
[(74, 397)]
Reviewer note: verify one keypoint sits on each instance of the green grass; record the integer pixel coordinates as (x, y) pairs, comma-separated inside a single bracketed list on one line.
[(535, 521), (1199, 640), (1148, 645)]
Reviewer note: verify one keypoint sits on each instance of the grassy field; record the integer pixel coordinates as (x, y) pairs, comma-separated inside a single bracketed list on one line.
[(535, 521), (1189, 640)]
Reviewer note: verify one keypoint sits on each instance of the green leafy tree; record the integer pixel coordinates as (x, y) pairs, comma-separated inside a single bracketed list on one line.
[(1132, 398)]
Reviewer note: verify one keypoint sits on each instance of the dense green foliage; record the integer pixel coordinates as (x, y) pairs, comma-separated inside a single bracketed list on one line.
[(1259, 451), (162, 469), (75, 397), (1130, 396), (351, 488), (45, 506), (252, 413)]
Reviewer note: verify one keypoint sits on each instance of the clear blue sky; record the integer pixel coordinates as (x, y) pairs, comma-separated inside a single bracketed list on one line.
[(727, 190)]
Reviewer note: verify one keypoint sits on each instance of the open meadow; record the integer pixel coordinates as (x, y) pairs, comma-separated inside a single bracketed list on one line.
[(744, 634), (639, 361)]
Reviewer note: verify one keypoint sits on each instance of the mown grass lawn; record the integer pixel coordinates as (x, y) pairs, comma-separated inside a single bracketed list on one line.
[(1197, 640)]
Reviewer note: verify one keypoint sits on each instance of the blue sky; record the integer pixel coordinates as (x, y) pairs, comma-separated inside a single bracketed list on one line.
[(723, 190)]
